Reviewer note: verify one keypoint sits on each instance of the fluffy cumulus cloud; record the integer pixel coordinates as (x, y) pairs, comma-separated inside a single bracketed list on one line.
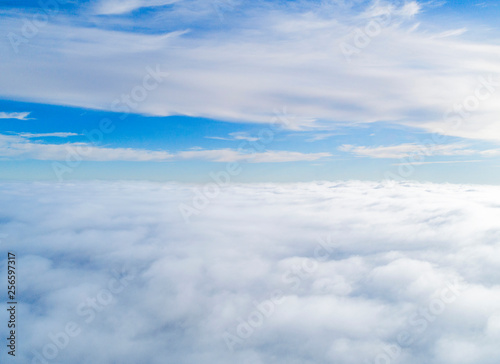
[(351, 272)]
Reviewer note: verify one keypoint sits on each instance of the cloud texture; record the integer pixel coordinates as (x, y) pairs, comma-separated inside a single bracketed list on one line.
[(325, 61), (316, 272)]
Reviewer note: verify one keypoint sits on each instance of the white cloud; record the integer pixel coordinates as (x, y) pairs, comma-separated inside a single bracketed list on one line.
[(14, 115), (266, 58), (394, 251), (43, 135), (452, 33), (386, 8), (236, 136), (321, 136), (114, 7), (21, 147), (413, 149), (229, 155)]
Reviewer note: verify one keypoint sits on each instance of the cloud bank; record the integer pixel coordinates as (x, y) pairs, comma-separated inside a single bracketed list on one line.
[(347, 272)]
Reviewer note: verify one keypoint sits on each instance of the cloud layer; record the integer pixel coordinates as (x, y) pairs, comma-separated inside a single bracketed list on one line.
[(325, 61), (316, 272)]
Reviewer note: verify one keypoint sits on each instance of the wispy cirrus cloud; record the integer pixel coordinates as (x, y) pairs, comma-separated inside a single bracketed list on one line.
[(236, 136), (320, 136), (451, 33), (229, 155), (117, 7), (274, 54), (43, 135), (15, 115)]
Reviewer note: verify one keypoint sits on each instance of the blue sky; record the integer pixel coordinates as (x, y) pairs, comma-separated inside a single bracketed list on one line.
[(287, 90)]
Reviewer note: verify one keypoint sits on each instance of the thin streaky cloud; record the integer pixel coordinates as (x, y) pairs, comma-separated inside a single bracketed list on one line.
[(236, 136), (19, 147), (323, 136), (118, 7), (411, 149), (229, 155), (42, 135), (451, 33), (439, 162), (15, 115)]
